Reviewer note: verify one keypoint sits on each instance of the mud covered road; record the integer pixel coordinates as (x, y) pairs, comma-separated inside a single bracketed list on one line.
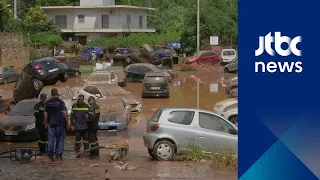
[(182, 94)]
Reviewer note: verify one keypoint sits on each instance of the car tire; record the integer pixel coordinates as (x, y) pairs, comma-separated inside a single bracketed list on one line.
[(37, 84), (64, 77), (150, 151), (233, 119), (164, 150), (226, 70), (5, 81), (76, 74), (128, 79)]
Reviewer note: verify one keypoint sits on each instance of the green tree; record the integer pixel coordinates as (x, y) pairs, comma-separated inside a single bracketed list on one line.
[(36, 15)]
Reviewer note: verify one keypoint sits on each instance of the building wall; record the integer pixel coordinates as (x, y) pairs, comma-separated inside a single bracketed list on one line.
[(93, 17), (97, 2)]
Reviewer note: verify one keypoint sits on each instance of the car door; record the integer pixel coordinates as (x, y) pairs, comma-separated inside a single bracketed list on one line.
[(205, 57), (132, 72), (233, 66), (214, 133)]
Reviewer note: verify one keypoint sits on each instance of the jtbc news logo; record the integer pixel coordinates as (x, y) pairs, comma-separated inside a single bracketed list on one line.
[(265, 44)]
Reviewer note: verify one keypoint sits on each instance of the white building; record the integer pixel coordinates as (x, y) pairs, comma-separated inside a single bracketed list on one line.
[(96, 18)]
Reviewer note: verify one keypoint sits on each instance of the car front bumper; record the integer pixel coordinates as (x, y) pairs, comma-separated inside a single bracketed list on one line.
[(30, 135), (112, 125)]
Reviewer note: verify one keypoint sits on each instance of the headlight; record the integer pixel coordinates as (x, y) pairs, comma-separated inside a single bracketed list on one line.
[(30, 126)]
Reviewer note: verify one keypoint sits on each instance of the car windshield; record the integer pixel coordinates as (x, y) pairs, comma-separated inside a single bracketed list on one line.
[(234, 60), (63, 92), (99, 77), (110, 108), (23, 109), (155, 79), (197, 54), (155, 69)]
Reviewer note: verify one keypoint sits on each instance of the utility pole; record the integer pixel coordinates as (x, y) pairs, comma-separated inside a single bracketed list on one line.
[(1, 19), (15, 9), (198, 26)]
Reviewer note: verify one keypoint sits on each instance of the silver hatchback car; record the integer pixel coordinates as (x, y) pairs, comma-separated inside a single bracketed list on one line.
[(171, 130)]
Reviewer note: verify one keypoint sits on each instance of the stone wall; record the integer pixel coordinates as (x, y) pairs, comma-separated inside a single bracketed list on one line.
[(12, 51)]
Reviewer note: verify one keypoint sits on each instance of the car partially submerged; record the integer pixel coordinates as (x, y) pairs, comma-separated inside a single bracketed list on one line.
[(115, 114), (19, 123), (104, 77), (171, 130), (104, 91), (228, 109), (233, 83)]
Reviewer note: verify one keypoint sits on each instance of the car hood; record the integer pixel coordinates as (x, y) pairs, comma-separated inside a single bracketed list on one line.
[(17, 120), (227, 102), (108, 117), (129, 99)]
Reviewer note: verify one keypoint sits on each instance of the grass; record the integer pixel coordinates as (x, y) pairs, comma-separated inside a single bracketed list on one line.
[(185, 68)]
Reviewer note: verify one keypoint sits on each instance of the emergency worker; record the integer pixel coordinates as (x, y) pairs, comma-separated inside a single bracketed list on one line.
[(40, 124), (79, 115), (55, 117), (93, 126)]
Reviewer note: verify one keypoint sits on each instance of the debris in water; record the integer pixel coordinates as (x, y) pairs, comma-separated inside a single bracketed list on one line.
[(94, 165), (124, 166)]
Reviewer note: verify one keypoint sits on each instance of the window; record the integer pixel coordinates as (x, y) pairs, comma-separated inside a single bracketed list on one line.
[(128, 19), (141, 22), (206, 54), (80, 18), (212, 53), (181, 117), (105, 21), (212, 122), (134, 68), (229, 53), (156, 116), (155, 79), (92, 90), (61, 21), (145, 69)]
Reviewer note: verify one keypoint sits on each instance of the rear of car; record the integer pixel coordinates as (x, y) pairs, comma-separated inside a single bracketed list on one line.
[(233, 93), (26, 87), (155, 85), (233, 83), (227, 55), (219, 107)]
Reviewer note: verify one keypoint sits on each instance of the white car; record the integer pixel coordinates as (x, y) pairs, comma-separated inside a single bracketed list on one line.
[(220, 106), (231, 113), (227, 55), (104, 77), (233, 83), (103, 91)]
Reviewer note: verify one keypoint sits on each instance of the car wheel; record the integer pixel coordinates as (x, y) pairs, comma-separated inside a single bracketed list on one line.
[(128, 79), (163, 150), (37, 84), (234, 119), (64, 77), (151, 154), (5, 81), (128, 60), (226, 70), (76, 74)]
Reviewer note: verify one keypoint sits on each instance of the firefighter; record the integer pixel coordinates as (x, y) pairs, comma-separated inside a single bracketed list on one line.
[(42, 130), (94, 115), (79, 115), (55, 116)]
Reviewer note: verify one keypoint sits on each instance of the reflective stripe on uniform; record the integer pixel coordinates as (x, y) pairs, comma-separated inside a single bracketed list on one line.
[(86, 142), (94, 143), (80, 109), (36, 111), (91, 113), (97, 111), (78, 142), (43, 142)]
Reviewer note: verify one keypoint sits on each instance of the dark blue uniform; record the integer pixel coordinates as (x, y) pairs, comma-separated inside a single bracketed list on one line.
[(43, 132), (93, 127), (56, 129), (79, 115)]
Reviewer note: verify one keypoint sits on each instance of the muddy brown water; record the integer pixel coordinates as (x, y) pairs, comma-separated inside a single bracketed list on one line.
[(184, 95)]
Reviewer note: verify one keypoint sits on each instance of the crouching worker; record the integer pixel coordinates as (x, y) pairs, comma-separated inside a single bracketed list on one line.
[(93, 126), (40, 124), (79, 116)]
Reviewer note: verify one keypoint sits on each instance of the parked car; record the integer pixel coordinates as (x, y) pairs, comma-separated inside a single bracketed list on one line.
[(155, 85), (26, 87), (103, 91), (7, 74), (115, 114), (71, 72), (120, 73), (232, 66), (220, 106), (171, 130), (125, 54), (231, 113), (204, 56), (65, 94), (176, 45), (233, 83), (19, 123), (136, 72), (233, 93), (227, 55), (163, 53), (93, 49), (104, 77)]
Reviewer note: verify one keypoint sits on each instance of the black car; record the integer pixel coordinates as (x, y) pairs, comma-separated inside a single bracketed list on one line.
[(136, 72), (38, 73), (71, 72), (155, 85), (19, 123), (125, 54)]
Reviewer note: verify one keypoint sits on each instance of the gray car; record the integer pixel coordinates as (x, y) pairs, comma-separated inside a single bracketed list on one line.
[(232, 66), (171, 130), (19, 123), (115, 114), (7, 74)]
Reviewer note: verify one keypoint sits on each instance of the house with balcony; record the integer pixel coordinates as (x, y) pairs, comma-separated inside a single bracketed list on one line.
[(98, 18)]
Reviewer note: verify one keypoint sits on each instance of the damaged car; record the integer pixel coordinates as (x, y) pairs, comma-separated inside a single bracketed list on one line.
[(115, 114), (104, 77), (103, 91)]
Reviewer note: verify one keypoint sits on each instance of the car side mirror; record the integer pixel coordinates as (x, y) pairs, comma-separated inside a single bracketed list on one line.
[(233, 131)]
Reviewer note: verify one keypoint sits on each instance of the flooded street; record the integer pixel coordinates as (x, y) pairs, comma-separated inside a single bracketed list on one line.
[(183, 93)]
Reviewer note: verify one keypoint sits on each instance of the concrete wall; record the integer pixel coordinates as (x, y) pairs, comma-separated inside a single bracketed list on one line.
[(93, 17)]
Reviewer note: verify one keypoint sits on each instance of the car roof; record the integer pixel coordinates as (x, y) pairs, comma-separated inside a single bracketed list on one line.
[(141, 64), (44, 59), (30, 100), (150, 74)]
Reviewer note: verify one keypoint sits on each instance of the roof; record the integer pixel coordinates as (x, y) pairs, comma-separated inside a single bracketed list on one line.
[(149, 74), (98, 7), (142, 64)]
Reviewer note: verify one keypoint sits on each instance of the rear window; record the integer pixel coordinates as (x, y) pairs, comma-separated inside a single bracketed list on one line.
[(229, 53), (181, 117), (155, 79), (156, 116)]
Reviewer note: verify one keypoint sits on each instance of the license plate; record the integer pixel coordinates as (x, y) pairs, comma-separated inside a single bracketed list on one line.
[(11, 133), (155, 87), (53, 70)]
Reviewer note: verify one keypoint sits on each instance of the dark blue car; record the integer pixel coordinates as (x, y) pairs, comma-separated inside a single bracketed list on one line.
[(159, 54), (176, 45), (92, 49)]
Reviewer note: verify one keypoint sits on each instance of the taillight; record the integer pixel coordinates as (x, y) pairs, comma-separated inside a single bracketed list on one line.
[(37, 67), (125, 52), (154, 127)]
